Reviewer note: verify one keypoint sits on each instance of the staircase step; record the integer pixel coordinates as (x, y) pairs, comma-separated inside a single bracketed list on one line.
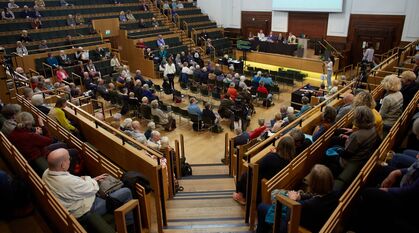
[(198, 185)]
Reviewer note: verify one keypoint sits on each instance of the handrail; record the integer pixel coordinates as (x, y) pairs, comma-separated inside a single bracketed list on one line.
[(299, 120), (333, 48), (124, 137)]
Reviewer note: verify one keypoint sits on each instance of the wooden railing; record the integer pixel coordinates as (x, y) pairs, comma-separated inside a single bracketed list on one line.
[(125, 156), (55, 212)]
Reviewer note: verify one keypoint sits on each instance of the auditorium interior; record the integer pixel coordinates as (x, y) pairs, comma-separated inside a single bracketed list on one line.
[(265, 116)]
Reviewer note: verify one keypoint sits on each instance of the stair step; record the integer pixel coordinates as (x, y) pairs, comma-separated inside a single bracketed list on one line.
[(198, 185)]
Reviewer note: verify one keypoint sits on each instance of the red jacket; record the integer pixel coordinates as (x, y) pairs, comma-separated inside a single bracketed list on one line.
[(257, 132), (262, 89), (31, 145), (233, 93)]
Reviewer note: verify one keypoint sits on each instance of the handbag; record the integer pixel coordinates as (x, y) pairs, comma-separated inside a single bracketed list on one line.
[(108, 185)]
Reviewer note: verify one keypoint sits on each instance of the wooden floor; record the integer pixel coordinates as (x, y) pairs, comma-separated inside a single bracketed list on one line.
[(206, 204)]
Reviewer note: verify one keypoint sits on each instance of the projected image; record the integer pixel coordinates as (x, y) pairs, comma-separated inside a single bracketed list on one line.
[(308, 5)]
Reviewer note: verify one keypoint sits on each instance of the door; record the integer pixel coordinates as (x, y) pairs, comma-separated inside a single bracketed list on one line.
[(381, 39)]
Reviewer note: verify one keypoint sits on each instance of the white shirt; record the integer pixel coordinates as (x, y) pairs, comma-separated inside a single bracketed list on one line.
[(369, 55), (77, 194), (186, 70), (292, 39), (153, 145), (261, 36), (169, 69), (330, 66)]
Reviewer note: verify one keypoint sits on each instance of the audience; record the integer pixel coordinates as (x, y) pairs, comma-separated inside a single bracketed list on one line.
[(317, 202), (7, 14), (164, 119), (392, 104), (38, 102), (328, 119), (9, 112), (21, 49), (346, 107), (409, 87), (269, 166), (58, 115), (306, 106)]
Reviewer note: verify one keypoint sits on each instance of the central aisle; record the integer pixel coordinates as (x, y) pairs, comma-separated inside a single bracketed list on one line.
[(206, 204)]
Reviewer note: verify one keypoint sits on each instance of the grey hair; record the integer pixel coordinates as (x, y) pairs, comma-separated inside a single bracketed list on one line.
[(151, 125), (164, 142), (155, 133), (261, 121), (24, 120), (37, 100), (154, 104), (127, 123), (363, 117), (9, 110)]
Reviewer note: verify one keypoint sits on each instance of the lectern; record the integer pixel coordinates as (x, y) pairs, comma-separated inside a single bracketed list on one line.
[(302, 42)]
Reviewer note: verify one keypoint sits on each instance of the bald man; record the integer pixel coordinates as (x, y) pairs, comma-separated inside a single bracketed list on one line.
[(78, 194), (346, 107)]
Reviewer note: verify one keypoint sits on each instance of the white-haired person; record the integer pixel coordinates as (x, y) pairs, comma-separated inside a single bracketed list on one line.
[(392, 104), (154, 140), (38, 102), (79, 194), (164, 119), (151, 126)]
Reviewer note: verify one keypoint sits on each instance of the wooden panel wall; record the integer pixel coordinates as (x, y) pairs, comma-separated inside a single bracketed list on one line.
[(253, 21), (314, 25), (383, 29)]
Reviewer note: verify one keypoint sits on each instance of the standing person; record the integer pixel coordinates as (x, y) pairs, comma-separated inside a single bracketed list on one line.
[(368, 55), (329, 67), (169, 72)]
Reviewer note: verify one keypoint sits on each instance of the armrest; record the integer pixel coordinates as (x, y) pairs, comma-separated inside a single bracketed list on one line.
[(295, 213), (120, 222)]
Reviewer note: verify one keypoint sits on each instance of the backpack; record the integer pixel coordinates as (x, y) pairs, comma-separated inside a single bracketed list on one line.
[(185, 168), (217, 129), (130, 178)]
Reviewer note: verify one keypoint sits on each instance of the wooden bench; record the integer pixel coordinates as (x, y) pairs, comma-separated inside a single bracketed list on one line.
[(56, 213), (125, 156)]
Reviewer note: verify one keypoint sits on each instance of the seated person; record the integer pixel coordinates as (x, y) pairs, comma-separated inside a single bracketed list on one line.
[(164, 119), (392, 104), (154, 140), (36, 23), (269, 166), (397, 190), (115, 64), (194, 109), (318, 202), (71, 21), (241, 138), (21, 49), (225, 109), (130, 16), (62, 74), (410, 155), (301, 142), (409, 86), (64, 60), (261, 36), (12, 5), (232, 91), (100, 53), (78, 194), (140, 44), (306, 106), (361, 143), (24, 37), (328, 119), (258, 131), (141, 23), (58, 115), (9, 112), (292, 39), (122, 17), (277, 123), (79, 19), (209, 114), (38, 102), (346, 107), (52, 61), (272, 37), (154, 22), (33, 142), (263, 90), (91, 68), (7, 14), (160, 41)]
